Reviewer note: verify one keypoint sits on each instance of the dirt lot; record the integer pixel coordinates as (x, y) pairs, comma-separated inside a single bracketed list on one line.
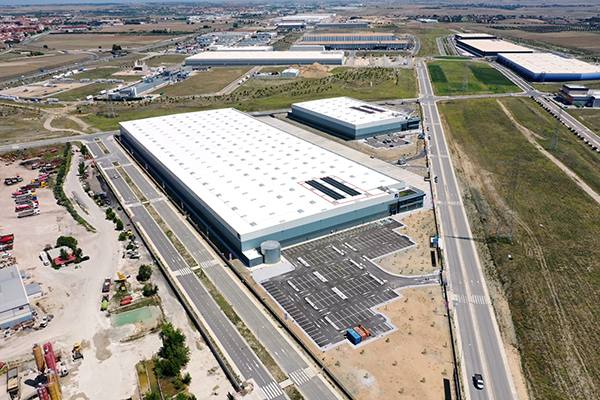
[(38, 89), (416, 260), (72, 295), (23, 65)]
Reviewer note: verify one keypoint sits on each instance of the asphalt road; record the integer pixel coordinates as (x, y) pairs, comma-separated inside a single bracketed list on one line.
[(480, 345), (312, 387)]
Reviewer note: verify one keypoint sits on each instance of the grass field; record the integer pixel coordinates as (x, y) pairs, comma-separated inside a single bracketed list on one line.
[(286, 42), (166, 60), (553, 281), (553, 87), (104, 73), (590, 118), (204, 82), (94, 41), (448, 78), (21, 125), (80, 93), (427, 35), (370, 84), (14, 67)]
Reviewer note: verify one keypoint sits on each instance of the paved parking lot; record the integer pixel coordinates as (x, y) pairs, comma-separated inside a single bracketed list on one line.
[(392, 140), (335, 285)]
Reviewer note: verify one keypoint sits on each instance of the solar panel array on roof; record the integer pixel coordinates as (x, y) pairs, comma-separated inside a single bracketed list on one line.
[(329, 192), (341, 186)]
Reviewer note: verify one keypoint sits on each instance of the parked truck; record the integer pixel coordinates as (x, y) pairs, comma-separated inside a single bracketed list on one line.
[(13, 380), (28, 213), (106, 286), (126, 300), (44, 258), (104, 305), (7, 239)]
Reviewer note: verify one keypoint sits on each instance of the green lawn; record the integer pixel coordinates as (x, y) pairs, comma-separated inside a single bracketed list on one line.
[(205, 82), (552, 282), (448, 78)]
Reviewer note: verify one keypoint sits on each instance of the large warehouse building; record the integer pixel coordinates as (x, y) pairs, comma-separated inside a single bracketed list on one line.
[(490, 47), (352, 119), (266, 58), (356, 41), (547, 67), (251, 182), (14, 303)]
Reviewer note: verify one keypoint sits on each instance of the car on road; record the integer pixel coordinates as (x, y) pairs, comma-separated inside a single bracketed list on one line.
[(478, 381)]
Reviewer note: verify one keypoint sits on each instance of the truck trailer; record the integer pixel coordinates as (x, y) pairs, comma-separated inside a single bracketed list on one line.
[(28, 213), (353, 337)]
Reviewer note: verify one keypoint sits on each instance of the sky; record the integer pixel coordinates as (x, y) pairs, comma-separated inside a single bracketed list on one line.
[(46, 2)]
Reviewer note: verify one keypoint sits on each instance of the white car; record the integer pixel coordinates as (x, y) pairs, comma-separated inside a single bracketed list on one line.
[(6, 255)]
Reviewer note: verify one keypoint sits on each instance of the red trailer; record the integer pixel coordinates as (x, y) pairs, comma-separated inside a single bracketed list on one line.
[(124, 301), (6, 239), (22, 208)]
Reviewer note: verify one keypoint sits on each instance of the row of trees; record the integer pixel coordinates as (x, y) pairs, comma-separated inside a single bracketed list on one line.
[(112, 216)]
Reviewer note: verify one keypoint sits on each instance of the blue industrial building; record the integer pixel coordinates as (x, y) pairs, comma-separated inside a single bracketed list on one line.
[(249, 182)]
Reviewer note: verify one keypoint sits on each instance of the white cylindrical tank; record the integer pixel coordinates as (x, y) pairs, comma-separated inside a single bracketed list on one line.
[(271, 251)]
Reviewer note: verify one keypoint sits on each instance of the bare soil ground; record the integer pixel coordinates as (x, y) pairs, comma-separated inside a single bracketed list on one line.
[(94, 41), (174, 26), (72, 295), (38, 89), (416, 260)]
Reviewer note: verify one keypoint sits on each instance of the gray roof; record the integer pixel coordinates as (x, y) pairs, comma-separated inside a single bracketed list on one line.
[(12, 289), (33, 288), (54, 253)]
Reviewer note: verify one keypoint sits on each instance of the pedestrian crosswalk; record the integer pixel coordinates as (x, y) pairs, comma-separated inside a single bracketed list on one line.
[(183, 271), (299, 377), (474, 298), (205, 264), (272, 390)]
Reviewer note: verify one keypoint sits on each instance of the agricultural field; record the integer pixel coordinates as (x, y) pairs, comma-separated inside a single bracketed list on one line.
[(369, 84), (551, 282), (204, 82), (173, 26), (17, 65), (448, 78), (81, 41)]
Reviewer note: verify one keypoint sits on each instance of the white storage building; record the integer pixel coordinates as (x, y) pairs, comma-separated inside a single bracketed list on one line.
[(266, 58), (547, 67), (250, 182), (351, 118)]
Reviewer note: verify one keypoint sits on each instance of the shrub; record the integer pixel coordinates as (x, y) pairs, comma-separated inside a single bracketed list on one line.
[(68, 241), (149, 290), (187, 378), (144, 273), (119, 224), (122, 236), (175, 354)]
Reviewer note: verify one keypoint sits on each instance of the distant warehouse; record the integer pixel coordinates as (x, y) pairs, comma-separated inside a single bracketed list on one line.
[(547, 67), (356, 41), (250, 182), (266, 58), (490, 47), (352, 119)]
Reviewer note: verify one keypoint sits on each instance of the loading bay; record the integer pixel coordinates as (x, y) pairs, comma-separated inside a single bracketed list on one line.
[(336, 284)]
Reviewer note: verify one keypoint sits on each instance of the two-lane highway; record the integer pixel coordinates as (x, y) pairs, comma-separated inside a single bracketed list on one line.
[(479, 343)]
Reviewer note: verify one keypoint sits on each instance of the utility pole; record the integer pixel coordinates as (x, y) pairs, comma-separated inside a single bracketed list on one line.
[(466, 78)]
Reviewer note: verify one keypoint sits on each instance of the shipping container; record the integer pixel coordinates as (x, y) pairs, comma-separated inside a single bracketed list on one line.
[(353, 336)]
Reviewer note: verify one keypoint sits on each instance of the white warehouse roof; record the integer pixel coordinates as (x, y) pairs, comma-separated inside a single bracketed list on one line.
[(12, 289), (351, 112), (550, 63), (266, 57), (496, 46), (252, 175)]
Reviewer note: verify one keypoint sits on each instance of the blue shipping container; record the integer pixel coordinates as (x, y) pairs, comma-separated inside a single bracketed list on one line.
[(353, 336)]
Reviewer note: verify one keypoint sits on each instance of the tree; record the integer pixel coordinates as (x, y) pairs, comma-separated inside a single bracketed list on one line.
[(149, 290), (116, 47), (45, 46), (144, 273), (68, 241), (64, 254), (119, 224), (187, 378), (175, 354), (81, 168), (152, 396), (84, 150)]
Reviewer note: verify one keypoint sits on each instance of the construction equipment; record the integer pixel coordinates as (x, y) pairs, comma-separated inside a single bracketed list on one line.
[(77, 347)]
